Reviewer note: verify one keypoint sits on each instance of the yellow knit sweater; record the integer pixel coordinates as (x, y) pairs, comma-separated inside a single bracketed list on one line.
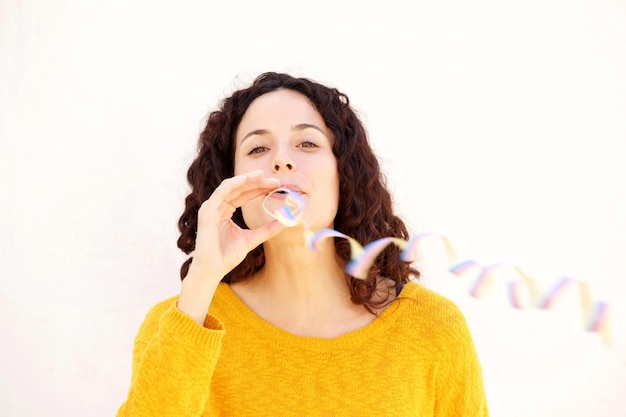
[(416, 359)]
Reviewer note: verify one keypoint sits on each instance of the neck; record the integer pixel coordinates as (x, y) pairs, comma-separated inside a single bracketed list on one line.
[(302, 291), (301, 278)]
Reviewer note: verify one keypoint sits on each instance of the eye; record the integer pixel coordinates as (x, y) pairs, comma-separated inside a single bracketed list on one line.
[(257, 149), (307, 144)]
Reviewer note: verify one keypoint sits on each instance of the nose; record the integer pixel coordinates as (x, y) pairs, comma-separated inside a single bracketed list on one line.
[(283, 162)]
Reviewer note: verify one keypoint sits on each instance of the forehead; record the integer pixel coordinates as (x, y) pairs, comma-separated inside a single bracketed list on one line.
[(279, 108)]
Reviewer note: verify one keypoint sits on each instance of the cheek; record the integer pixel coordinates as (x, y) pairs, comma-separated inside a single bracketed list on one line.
[(244, 165), (332, 189), (335, 182), (238, 165)]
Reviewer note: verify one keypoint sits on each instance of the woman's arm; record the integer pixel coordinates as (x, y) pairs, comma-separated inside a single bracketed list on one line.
[(173, 361), (220, 244), (178, 344)]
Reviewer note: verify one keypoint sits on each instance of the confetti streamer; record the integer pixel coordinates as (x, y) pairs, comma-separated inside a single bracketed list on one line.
[(524, 292), (314, 239), (594, 314), (360, 265), (290, 213), (522, 289)]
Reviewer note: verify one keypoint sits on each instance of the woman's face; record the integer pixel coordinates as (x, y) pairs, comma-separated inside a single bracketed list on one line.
[(282, 134)]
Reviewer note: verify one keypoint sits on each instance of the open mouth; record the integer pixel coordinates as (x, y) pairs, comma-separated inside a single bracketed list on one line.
[(286, 190), (290, 205)]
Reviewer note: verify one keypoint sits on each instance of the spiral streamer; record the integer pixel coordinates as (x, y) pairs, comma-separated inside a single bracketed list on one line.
[(289, 213), (524, 291)]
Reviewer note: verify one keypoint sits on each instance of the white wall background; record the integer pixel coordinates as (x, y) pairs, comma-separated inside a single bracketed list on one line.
[(501, 125)]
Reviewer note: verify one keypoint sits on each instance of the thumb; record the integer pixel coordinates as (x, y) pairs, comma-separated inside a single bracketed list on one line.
[(263, 233)]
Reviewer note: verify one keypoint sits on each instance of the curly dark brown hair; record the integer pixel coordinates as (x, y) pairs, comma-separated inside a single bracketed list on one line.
[(365, 209)]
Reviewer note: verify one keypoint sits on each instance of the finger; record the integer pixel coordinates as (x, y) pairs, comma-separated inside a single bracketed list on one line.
[(228, 187), (216, 209), (248, 195), (232, 188), (234, 192), (228, 190)]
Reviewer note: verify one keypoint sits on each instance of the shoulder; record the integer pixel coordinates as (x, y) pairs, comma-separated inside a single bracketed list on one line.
[(430, 314), (156, 312), (427, 301), (161, 307)]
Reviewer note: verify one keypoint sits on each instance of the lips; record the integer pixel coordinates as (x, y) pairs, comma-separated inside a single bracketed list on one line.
[(282, 189)]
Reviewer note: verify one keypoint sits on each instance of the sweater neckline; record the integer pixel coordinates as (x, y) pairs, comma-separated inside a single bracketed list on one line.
[(354, 339)]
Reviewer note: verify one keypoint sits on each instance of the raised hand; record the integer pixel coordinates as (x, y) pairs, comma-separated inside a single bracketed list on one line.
[(220, 243)]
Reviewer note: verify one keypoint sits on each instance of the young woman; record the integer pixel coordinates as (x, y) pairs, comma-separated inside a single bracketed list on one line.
[(266, 326)]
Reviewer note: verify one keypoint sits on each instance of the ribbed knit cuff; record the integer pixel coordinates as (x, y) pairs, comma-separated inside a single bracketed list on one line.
[(178, 324)]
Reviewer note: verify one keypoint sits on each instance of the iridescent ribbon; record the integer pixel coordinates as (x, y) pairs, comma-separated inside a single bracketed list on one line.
[(595, 314), (289, 213), (525, 293)]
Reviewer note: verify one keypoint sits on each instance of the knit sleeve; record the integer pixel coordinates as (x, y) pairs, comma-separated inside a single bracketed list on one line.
[(173, 362), (459, 381)]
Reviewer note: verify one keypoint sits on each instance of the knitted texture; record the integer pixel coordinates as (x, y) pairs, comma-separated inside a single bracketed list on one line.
[(416, 359)]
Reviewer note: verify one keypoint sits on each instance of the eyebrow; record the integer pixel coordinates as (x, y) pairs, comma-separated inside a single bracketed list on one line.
[(298, 127)]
